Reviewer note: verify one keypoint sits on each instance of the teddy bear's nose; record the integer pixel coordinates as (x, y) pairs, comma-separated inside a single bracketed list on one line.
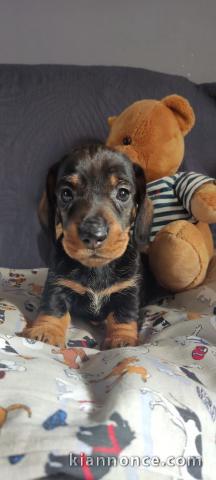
[(127, 140)]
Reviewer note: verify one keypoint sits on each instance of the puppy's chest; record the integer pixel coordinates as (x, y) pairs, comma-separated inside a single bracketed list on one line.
[(98, 295), (95, 298)]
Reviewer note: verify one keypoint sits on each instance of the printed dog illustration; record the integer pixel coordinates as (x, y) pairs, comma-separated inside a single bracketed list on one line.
[(107, 440)]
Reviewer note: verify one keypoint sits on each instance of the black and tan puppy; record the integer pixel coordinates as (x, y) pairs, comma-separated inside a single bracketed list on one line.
[(93, 197)]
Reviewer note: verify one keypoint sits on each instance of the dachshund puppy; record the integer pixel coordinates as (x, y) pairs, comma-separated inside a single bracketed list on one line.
[(92, 199)]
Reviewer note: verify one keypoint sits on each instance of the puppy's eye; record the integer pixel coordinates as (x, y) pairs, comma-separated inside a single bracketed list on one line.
[(127, 140), (66, 195), (123, 194)]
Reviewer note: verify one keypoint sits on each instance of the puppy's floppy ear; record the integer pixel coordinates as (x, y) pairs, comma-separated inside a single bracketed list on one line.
[(144, 213), (47, 212)]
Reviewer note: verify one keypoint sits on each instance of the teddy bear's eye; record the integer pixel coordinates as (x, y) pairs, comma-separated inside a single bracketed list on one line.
[(127, 140)]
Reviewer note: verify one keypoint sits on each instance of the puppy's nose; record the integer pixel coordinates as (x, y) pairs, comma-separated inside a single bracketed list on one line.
[(93, 231)]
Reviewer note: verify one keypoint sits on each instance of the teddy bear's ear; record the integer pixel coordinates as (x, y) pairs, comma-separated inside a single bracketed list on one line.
[(182, 110), (111, 120)]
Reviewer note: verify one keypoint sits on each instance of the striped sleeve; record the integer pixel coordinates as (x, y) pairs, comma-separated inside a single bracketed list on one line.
[(187, 184)]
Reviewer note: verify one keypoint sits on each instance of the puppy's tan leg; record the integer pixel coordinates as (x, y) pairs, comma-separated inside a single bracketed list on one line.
[(120, 334), (48, 329)]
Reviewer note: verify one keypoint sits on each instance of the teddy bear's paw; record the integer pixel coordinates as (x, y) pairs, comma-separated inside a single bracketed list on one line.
[(209, 198), (203, 203)]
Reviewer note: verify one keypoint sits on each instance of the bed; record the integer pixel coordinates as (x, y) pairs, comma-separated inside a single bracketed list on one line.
[(143, 412)]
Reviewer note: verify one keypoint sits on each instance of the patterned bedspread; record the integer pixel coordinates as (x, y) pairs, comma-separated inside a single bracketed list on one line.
[(130, 413)]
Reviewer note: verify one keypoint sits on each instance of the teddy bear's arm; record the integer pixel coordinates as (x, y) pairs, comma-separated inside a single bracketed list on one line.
[(187, 186), (203, 203)]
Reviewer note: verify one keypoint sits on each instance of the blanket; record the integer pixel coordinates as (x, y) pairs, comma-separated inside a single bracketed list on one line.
[(131, 413)]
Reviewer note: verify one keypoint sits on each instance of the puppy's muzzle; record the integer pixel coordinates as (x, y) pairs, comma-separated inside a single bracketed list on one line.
[(93, 231)]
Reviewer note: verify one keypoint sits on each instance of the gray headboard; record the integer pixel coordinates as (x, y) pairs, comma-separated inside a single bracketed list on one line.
[(45, 110)]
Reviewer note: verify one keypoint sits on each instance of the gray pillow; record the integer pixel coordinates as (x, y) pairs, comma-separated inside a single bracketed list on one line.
[(45, 110)]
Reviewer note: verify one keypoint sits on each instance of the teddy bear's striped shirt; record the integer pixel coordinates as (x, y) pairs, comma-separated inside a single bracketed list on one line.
[(171, 198)]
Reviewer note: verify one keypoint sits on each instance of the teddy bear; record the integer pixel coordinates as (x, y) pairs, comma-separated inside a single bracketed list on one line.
[(151, 133)]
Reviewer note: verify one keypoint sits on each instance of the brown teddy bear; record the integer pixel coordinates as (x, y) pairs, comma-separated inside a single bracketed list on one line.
[(151, 133)]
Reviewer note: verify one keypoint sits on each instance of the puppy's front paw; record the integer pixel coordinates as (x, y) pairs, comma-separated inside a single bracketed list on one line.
[(48, 329), (46, 334), (120, 334)]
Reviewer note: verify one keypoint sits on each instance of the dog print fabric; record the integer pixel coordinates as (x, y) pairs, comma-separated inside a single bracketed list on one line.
[(88, 413)]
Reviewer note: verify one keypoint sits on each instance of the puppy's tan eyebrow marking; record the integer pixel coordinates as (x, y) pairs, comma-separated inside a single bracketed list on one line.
[(73, 179), (114, 180)]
